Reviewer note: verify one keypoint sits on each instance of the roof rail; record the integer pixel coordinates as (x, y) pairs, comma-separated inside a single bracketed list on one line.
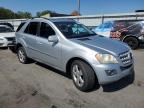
[(39, 17), (54, 18)]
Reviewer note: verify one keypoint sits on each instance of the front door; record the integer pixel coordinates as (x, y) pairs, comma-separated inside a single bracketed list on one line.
[(48, 52)]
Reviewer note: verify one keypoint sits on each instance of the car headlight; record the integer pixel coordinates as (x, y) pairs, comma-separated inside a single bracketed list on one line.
[(1, 39), (141, 37), (106, 58)]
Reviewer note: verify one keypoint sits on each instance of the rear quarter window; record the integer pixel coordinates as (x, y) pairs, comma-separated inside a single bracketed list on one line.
[(32, 28)]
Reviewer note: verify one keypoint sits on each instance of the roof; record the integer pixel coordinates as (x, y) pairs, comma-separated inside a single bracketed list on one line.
[(56, 20), (61, 20)]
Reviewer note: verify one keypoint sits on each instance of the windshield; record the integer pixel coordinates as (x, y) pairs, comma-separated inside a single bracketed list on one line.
[(5, 29), (74, 30)]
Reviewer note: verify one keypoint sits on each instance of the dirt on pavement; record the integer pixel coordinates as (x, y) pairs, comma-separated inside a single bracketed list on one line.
[(35, 85)]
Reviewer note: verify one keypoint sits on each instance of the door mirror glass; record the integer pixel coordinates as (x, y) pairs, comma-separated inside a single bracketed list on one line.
[(53, 38)]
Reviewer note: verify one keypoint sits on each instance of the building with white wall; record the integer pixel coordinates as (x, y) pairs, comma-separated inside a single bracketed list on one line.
[(88, 20)]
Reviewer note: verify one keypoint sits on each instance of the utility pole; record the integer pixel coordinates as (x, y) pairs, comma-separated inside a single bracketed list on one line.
[(79, 7)]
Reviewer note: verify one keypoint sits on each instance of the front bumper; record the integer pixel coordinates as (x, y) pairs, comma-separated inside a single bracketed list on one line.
[(6, 43), (121, 72)]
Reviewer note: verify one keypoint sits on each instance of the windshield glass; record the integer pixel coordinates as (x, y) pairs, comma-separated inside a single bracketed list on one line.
[(74, 30), (5, 29)]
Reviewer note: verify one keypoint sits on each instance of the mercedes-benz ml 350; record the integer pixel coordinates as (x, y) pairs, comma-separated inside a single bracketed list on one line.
[(72, 48)]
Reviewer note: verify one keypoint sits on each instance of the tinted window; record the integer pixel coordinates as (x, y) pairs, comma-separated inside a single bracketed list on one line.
[(5, 30), (20, 26), (32, 28), (128, 26), (46, 30)]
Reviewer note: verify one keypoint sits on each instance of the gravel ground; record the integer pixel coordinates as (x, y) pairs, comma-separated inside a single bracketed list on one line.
[(35, 85)]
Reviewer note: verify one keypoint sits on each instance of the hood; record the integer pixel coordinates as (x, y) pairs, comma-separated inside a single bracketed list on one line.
[(102, 44), (10, 34)]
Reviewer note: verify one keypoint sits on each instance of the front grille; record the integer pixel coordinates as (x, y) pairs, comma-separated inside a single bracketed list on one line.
[(126, 57), (10, 38)]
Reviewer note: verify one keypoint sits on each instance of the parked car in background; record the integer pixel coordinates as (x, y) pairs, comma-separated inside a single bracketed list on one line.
[(74, 49), (7, 36), (128, 31), (7, 24)]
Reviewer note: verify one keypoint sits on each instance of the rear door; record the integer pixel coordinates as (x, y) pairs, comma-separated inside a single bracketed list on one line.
[(29, 37)]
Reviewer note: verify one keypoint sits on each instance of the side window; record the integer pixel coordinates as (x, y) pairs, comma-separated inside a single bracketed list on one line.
[(46, 30), (32, 28)]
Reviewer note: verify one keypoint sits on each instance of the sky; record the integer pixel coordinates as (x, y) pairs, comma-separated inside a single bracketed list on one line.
[(88, 7)]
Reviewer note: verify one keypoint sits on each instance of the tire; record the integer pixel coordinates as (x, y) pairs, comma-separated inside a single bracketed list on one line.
[(132, 77), (83, 76), (132, 42), (22, 55)]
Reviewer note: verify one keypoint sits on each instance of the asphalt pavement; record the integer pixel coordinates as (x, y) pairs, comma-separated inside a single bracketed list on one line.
[(35, 85)]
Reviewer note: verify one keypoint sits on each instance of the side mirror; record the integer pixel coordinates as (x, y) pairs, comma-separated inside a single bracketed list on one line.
[(53, 38)]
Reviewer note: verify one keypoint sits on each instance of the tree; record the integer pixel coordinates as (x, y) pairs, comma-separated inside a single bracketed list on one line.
[(75, 13), (52, 13), (6, 13), (21, 14)]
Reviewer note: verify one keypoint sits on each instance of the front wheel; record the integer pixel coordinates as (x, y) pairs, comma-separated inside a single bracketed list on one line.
[(132, 42), (83, 75), (22, 55)]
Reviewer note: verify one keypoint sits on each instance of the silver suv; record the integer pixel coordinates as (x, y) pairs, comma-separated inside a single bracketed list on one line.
[(72, 48)]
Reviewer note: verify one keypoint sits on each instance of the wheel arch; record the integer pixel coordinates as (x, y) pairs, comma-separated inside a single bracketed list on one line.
[(127, 36), (134, 41), (68, 65), (18, 45)]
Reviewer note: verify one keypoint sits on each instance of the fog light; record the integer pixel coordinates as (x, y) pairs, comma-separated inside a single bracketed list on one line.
[(111, 72)]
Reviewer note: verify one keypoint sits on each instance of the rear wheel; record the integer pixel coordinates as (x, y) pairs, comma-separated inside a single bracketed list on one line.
[(132, 42), (83, 75), (22, 55)]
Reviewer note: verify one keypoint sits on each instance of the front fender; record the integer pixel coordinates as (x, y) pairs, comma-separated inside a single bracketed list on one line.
[(88, 56)]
